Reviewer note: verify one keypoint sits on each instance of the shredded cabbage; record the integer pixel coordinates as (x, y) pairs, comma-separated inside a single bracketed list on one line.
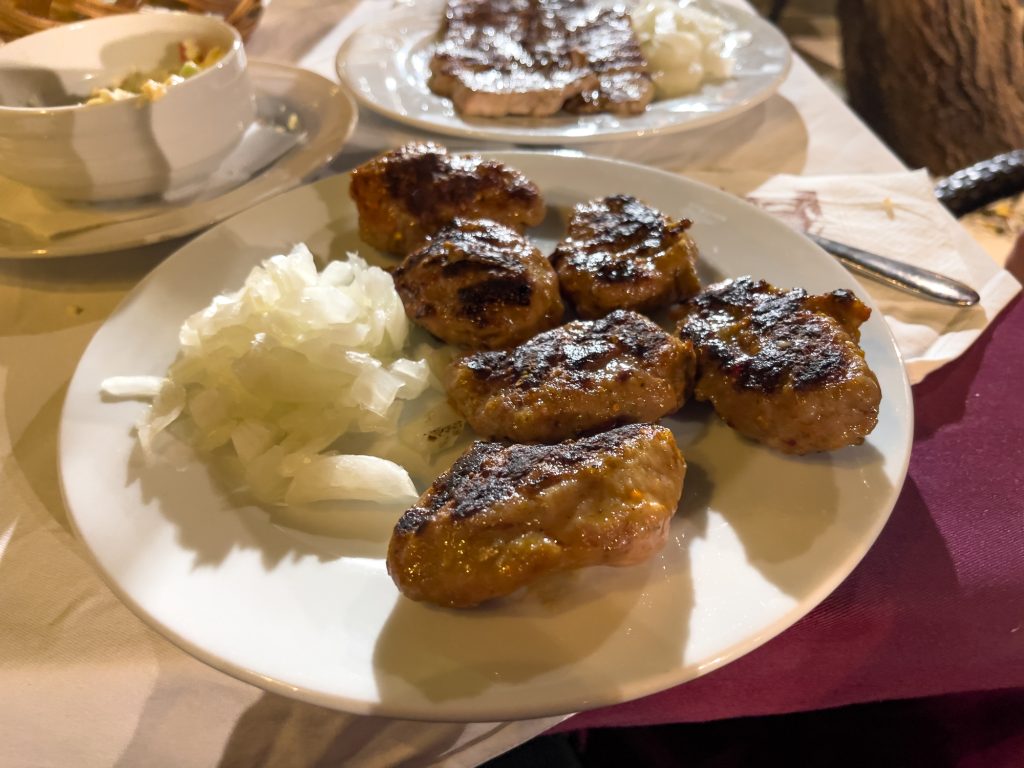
[(299, 377)]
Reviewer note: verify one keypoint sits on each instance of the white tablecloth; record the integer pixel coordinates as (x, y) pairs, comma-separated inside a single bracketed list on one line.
[(85, 682)]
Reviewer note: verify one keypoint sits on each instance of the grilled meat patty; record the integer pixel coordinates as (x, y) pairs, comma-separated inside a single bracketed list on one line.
[(585, 376), (505, 515), (405, 195), (621, 253), (479, 285), (782, 367), (532, 57)]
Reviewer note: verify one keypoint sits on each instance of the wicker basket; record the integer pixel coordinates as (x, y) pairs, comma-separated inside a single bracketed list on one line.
[(22, 17)]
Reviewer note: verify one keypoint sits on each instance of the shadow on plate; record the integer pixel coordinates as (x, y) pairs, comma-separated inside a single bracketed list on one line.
[(782, 508), (728, 144), (226, 518), (553, 629)]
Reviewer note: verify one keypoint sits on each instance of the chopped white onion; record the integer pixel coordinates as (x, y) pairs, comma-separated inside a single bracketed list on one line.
[(362, 478), (167, 406), (684, 45), (299, 375), (140, 387)]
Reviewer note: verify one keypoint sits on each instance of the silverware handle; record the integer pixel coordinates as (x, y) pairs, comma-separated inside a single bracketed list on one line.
[(901, 275)]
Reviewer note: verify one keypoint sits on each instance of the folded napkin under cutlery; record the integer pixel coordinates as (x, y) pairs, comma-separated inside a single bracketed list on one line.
[(894, 215)]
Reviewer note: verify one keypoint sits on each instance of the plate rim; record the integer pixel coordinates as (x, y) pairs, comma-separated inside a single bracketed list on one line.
[(470, 713), (297, 166), (553, 137)]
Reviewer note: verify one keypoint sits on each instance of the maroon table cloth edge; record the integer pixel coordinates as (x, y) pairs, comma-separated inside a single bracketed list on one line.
[(937, 605)]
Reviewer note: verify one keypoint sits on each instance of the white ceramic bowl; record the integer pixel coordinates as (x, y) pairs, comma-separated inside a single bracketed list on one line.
[(125, 149)]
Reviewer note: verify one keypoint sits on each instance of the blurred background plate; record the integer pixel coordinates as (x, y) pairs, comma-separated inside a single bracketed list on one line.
[(386, 64)]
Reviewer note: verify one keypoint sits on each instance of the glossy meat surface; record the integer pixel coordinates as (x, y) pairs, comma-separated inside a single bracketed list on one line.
[(405, 195), (621, 253), (584, 376), (507, 57), (479, 285), (506, 515), (624, 86), (783, 367), (534, 57)]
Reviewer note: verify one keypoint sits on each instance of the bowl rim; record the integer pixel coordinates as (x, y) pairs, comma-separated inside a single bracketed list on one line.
[(236, 49)]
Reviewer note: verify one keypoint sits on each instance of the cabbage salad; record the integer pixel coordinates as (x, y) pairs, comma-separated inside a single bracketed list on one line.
[(301, 380), (190, 60)]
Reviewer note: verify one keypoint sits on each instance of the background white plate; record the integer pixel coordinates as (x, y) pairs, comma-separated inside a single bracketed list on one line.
[(760, 539), (386, 64), (325, 118)]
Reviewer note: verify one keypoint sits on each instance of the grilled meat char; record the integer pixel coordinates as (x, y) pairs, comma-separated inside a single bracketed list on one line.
[(582, 377), (534, 57), (479, 285), (621, 253), (624, 84), (506, 515), (403, 196), (783, 367), (507, 57)]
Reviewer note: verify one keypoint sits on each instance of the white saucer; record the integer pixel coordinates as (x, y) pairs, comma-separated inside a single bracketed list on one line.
[(303, 122)]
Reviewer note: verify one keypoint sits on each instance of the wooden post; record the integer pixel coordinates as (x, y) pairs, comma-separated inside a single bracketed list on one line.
[(940, 81)]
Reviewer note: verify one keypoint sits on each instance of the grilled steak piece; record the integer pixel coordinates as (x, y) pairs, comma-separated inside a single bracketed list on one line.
[(624, 85), (782, 367), (620, 253), (585, 376), (507, 57), (531, 57), (506, 515), (405, 195), (480, 285)]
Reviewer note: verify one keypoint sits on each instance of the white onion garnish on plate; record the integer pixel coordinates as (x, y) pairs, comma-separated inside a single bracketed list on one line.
[(131, 386), (299, 380), (684, 45)]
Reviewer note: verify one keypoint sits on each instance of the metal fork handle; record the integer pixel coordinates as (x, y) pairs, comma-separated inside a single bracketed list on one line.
[(900, 275)]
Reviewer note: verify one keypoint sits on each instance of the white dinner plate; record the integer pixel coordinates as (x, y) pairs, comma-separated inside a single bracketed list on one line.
[(760, 538), (386, 64), (303, 120)]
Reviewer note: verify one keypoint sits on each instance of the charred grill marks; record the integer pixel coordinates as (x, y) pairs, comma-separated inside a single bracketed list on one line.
[(782, 367), (506, 515), (623, 226), (584, 376), (621, 253), (574, 351), (763, 338), (423, 180), (477, 301), (480, 285), (405, 195), (489, 473), (534, 57)]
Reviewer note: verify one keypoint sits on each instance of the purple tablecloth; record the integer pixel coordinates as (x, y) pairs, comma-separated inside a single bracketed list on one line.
[(937, 606)]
